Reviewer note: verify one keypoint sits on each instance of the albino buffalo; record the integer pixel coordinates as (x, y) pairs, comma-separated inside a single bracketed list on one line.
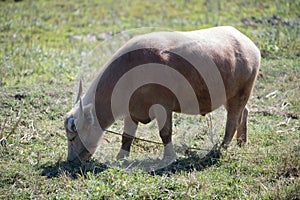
[(156, 74)]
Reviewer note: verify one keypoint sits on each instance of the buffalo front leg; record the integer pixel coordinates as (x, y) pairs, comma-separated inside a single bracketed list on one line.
[(241, 135), (165, 132), (130, 127)]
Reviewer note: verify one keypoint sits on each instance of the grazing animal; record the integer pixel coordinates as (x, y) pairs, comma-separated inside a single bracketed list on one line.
[(219, 65)]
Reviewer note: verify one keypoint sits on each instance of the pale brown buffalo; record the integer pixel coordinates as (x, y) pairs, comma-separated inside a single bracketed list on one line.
[(220, 65)]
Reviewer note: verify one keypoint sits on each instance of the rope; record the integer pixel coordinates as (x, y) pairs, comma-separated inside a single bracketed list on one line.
[(184, 145), (133, 137), (150, 141)]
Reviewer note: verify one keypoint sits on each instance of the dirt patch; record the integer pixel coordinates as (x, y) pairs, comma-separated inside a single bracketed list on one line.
[(274, 21)]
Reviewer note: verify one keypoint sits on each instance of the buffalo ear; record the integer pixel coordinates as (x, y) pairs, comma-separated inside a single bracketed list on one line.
[(88, 113), (85, 117), (79, 92)]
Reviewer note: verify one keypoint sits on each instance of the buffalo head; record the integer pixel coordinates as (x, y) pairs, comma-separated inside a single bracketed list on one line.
[(82, 133)]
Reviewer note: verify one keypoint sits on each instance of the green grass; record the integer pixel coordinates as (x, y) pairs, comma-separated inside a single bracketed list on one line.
[(41, 56)]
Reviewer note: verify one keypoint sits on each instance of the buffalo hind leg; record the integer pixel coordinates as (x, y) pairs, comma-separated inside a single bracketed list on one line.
[(241, 135), (235, 108), (130, 127)]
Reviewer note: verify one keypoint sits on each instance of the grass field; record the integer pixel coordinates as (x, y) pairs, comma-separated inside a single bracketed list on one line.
[(43, 50)]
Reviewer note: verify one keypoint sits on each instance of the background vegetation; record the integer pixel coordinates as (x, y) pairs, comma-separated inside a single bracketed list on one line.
[(43, 47)]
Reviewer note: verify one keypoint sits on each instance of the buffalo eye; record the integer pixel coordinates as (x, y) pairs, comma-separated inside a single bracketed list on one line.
[(73, 128), (71, 125)]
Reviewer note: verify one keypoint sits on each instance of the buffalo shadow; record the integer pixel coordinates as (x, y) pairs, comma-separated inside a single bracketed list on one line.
[(191, 162)]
